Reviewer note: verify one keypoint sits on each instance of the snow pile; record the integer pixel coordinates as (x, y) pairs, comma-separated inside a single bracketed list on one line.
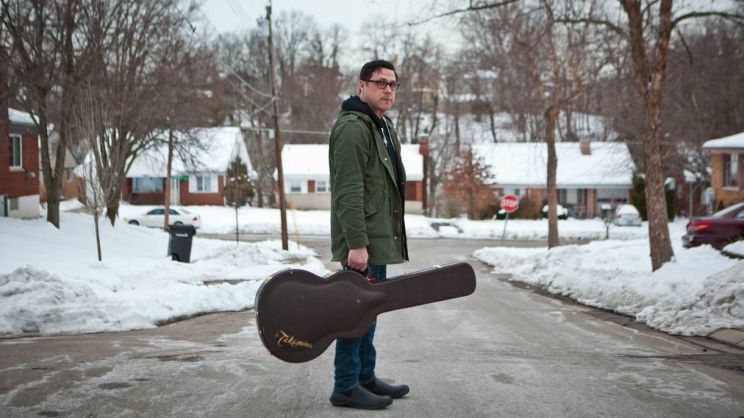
[(696, 294), (735, 249), (51, 281)]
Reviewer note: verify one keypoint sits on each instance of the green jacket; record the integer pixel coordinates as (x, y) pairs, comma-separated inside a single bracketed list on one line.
[(367, 203)]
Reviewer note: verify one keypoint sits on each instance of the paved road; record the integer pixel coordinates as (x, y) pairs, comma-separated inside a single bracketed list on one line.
[(504, 351)]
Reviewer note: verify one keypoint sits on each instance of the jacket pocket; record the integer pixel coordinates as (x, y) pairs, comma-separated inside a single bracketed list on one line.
[(374, 201)]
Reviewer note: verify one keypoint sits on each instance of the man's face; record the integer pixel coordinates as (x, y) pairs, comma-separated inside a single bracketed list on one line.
[(380, 100)]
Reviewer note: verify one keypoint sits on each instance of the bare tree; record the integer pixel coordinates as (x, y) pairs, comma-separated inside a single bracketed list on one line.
[(650, 73), (44, 60)]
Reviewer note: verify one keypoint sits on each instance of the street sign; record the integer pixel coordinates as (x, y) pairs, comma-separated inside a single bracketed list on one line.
[(509, 203)]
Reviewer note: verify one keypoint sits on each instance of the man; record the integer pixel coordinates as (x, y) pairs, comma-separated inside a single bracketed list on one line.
[(367, 229)]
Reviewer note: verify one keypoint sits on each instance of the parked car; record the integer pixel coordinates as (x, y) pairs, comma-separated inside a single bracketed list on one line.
[(627, 215), (560, 210), (155, 218), (718, 230)]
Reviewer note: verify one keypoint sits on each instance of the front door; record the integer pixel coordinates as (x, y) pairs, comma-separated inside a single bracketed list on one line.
[(175, 198)]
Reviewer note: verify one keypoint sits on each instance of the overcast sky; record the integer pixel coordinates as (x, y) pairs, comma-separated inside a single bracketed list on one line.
[(239, 15)]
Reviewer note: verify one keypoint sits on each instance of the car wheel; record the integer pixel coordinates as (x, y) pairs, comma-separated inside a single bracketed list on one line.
[(133, 222), (178, 223)]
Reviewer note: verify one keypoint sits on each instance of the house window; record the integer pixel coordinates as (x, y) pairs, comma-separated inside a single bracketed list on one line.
[(13, 203), (731, 170), (204, 184), (321, 186), (15, 151), (68, 174), (147, 184), (295, 187)]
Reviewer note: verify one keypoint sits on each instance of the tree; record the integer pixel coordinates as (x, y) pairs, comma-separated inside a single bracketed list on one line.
[(45, 64), (238, 189), (649, 75), (558, 58), (470, 181)]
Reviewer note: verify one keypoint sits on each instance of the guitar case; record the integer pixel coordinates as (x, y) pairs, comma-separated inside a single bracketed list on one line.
[(299, 314)]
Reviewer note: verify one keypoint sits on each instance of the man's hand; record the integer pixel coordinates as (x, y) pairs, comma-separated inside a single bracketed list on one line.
[(358, 259)]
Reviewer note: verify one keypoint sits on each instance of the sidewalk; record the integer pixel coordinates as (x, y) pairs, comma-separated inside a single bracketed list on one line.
[(733, 336)]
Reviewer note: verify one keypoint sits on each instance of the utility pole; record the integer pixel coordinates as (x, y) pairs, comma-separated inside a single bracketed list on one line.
[(166, 205), (277, 139)]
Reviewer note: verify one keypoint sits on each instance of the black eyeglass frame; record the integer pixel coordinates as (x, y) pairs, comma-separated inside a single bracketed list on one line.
[(381, 84)]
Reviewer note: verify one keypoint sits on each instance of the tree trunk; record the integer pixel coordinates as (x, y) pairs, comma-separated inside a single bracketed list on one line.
[(551, 117), (649, 92), (112, 203)]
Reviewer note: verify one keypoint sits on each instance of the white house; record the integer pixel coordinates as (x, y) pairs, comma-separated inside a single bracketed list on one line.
[(588, 174), (197, 182), (306, 176)]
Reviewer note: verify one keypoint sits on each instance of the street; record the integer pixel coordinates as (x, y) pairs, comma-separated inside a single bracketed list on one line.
[(504, 351)]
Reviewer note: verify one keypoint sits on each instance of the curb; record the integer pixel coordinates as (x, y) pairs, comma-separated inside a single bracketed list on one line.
[(732, 336)]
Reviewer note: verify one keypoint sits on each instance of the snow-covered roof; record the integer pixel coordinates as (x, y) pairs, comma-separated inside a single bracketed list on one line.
[(525, 164), (733, 141), (19, 118), (311, 161), (222, 146)]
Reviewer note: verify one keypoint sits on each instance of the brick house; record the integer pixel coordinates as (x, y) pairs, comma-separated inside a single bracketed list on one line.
[(588, 174), (307, 182), (19, 164), (201, 184), (727, 162)]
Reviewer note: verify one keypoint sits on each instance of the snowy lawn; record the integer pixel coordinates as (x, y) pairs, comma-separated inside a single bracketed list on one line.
[(696, 294), (51, 281), (221, 220)]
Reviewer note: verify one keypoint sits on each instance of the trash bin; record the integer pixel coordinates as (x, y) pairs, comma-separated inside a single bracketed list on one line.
[(179, 243)]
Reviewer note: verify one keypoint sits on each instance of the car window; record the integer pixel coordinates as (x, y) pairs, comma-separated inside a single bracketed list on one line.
[(728, 210), (740, 215), (155, 212), (173, 212)]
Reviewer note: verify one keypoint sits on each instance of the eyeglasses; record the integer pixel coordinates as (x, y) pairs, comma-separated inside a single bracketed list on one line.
[(381, 84)]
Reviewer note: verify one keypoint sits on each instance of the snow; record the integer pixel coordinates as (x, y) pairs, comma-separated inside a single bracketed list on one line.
[(19, 117), (735, 248), (310, 161), (733, 141), (51, 281), (627, 209), (221, 220), (697, 293), (524, 164)]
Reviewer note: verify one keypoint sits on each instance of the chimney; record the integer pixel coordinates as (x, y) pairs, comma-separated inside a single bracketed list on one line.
[(586, 147)]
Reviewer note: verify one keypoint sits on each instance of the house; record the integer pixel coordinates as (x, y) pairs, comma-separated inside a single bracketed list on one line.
[(200, 182), (307, 182), (19, 164), (588, 174), (727, 161)]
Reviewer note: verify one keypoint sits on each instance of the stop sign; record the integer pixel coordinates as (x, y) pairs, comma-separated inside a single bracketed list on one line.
[(509, 203)]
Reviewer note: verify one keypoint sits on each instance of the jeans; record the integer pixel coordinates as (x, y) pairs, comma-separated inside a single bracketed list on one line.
[(355, 357)]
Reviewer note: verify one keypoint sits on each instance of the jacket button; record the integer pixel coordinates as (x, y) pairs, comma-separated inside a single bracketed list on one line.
[(396, 237)]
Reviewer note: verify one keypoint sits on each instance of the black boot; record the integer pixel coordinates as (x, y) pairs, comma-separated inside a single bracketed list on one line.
[(378, 387), (360, 398)]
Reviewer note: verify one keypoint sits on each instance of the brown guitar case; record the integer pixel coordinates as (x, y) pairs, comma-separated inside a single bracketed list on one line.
[(299, 314)]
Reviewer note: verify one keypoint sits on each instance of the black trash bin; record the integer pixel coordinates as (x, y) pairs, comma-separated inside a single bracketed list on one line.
[(179, 243)]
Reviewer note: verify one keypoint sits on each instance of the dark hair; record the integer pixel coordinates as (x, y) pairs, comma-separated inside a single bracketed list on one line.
[(373, 66)]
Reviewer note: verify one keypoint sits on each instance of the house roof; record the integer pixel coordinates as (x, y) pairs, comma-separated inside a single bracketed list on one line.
[(311, 160), (16, 117), (221, 144), (525, 164), (734, 141)]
